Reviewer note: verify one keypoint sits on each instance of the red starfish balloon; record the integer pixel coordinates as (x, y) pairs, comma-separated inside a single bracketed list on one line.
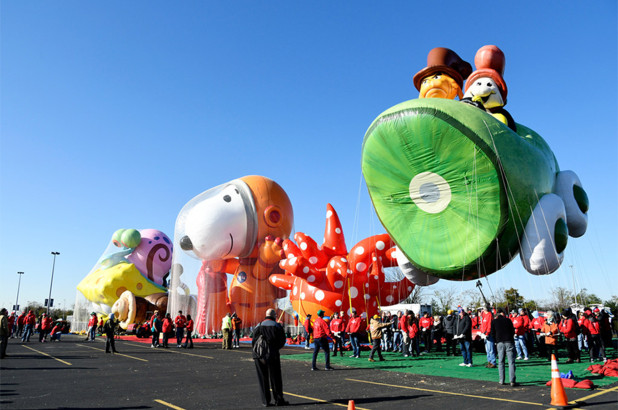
[(327, 277)]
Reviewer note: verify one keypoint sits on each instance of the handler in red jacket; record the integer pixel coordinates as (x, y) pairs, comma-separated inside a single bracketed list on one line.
[(567, 328), (321, 333), (308, 331), (180, 321), (426, 325), (168, 327), (189, 339), (46, 327), (490, 347), (519, 323), (337, 328), (354, 329)]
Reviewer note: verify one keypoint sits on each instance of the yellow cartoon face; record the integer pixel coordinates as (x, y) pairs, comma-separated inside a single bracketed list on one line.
[(439, 85)]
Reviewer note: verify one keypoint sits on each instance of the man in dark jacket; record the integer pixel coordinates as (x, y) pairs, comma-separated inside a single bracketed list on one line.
[(463, 334), (502, 332), (449, 332), (269, 367), (109, 329)]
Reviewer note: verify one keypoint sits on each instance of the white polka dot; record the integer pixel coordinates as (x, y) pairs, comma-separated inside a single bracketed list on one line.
[(364, 315), (380, 245), (360, 250), (367, 296), (306, 269), (374, 259), (409, 288), (303, 246), (360, 266), (292, 261), (338, 303), (334, 247), (329, 213), (313, 260), (394, 286), (302, 295), (344, 260), (389, 299), (366, 285), (332, 263), (339, 284), (291, 255), (375, 277), (339, 271), (311, 278), (353, 292), (375, 303), (285, 247), (319, 295), (338, 230), (295, 291)]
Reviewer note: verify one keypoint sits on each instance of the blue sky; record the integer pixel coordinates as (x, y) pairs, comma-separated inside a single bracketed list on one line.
[(115, 114)]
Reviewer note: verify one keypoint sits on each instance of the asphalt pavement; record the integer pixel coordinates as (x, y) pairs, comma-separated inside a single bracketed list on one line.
[(74, 374)]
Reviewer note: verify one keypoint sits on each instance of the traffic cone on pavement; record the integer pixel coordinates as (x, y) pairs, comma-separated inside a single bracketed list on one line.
[(558, 396), (351, 405)]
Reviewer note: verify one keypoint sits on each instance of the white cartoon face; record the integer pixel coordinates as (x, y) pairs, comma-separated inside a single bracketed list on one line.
[(219, 226), (485, 90)]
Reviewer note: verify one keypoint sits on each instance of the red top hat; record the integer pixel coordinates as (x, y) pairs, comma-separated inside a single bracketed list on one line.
[(490, 62), (446, 61)]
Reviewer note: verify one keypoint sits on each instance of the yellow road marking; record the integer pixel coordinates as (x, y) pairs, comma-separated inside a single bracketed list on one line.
[(119, 354), (170, 405), (599, 393), (174, 351), (48, 355), (321, 401), (447, 392)]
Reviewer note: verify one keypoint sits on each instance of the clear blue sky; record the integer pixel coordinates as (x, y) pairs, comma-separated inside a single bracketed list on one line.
[(115, 114)]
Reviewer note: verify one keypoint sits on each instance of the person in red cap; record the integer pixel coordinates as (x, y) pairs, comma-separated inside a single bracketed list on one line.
[(321, 333), (486, 88), (444, 75)]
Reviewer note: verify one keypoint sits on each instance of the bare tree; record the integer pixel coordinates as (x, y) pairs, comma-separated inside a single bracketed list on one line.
[(445, 298), (417, 295), (560, 298)]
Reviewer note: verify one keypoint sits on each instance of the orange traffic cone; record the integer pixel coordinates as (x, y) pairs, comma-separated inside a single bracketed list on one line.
[(558, 396), (351, 405)]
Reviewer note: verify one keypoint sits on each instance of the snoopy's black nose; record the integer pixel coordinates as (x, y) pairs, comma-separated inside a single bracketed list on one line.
[(185, 243)]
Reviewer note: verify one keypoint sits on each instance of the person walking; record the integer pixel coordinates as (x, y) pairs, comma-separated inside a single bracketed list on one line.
[(189, 338), (29, 321), (463, 333), (92, 327), (180, 321), (268, 367), (109, 329), (226, 328), (236, 329), (167, 328), (375, 326), (21, 321), (156, 327), (46, 327), (354, 329), (321, 333), (502, 332), (486, 318), (4, 332), (425, 325), (308, 331)]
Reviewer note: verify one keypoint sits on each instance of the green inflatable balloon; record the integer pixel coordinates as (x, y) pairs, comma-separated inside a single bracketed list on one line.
[(460, 192)]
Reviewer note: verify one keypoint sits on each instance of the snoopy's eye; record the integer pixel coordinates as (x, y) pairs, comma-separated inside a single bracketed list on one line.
[(489, 84), (237, 191), (227, 198), (478, 83)]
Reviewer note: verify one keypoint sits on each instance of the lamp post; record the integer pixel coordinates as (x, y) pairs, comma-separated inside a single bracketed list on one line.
[(52, 281), (17, 298)]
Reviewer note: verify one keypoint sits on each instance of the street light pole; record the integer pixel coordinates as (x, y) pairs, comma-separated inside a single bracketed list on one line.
[(52, 281), (18, 285)]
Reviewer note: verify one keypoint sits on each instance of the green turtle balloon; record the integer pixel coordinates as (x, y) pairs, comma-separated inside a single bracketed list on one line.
[(460, 187)]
